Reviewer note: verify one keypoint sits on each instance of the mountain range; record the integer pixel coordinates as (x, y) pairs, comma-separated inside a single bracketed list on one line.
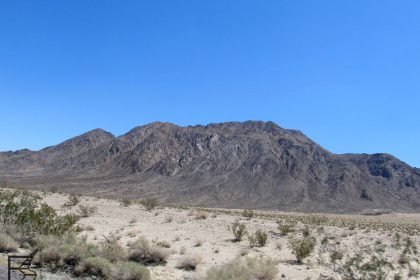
[(249, 164)]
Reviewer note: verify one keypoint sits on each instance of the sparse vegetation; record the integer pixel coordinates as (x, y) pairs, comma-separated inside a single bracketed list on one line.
[(249, 269)]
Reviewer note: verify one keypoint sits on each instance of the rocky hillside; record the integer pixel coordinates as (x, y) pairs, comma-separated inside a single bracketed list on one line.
[(241, 165)]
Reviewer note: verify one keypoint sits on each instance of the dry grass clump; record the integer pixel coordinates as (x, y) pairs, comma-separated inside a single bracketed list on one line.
[(132, 271), (95, 266), (201, 215), (163, 244), (285, 228), (143, 252), (168, 219), (112, 250), (64, 251), (250, 269), (238, 230), (72, 200), (188, 263), (7, 243), (249, 214), (125, 202), (86, 211)]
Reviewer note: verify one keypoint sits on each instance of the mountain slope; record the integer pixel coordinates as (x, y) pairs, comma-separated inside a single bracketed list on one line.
[(244, 165)]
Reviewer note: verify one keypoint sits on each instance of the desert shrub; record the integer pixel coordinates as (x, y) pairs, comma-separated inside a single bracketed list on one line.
[(302, 247), (188, 263), (111, 250), (163, 244), (95, 266), (169, 219), (149, 203), (143, 252), (285, 228), (86, 211), (238, 230), (201, 215), (24, 213), (259, 238), (72, 200), (64, 251), (125, 201), (335, 256), (132, 271), (7, 243), (250, 269), (249, 214)]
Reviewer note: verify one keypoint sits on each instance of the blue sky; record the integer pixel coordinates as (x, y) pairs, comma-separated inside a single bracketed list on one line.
[(346, 73)]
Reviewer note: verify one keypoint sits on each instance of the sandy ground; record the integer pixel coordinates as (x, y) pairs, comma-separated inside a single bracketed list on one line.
[(210, 240)]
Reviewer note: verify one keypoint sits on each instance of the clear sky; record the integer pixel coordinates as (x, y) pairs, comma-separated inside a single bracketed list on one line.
[(345, 73)]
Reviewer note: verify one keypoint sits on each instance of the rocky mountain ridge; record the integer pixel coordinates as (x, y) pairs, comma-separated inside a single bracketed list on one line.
[(242, 165)]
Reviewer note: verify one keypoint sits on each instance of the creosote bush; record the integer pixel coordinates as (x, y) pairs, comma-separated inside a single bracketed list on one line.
[(24, 214), (302, 247), (238, 230)]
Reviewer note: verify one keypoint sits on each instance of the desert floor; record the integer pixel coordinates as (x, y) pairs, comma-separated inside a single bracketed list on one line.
[(204, 235)]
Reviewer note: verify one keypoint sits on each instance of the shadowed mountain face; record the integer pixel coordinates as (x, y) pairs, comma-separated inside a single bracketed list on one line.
[(240, 165)]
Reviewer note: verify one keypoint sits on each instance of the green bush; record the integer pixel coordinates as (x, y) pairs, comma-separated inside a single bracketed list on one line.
[(25, 214), (7, 244), (238, 230), (258, 239), (302, 247), (149, 203), (132, 271)]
